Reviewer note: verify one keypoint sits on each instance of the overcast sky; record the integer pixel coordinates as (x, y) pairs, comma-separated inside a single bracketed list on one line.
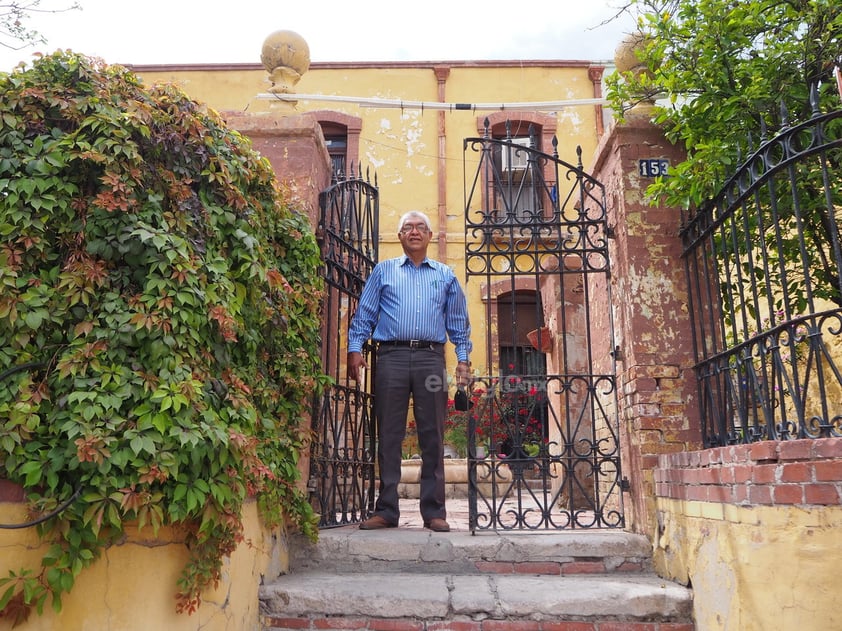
[(225, 31)]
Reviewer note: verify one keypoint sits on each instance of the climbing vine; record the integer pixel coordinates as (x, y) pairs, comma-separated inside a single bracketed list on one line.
[(159, 329)]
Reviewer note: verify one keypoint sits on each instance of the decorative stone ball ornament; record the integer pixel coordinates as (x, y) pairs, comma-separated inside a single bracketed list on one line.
[(286, 56), (627, 60), (626, 54)]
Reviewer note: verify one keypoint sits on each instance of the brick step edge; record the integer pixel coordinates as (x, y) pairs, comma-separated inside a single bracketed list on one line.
[(574, 567), (346, 623), (562, 568)]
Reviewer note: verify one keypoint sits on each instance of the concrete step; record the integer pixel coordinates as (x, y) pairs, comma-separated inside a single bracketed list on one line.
[(310, 598), (411, 579), (349, 550)]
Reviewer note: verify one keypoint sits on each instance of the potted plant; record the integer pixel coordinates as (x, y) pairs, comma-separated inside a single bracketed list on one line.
[(456, 429), (541, 339)]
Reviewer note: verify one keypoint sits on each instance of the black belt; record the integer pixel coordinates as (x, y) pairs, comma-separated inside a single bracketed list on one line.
[(416, 344)]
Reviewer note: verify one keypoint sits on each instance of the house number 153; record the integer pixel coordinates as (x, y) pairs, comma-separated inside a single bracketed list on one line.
[(653, 167)]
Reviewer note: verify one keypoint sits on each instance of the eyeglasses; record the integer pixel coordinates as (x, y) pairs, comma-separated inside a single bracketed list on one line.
[(409, 227)]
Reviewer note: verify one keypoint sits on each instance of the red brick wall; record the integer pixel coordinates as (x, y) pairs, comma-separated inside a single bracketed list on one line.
[(797, 472), (660, 432)]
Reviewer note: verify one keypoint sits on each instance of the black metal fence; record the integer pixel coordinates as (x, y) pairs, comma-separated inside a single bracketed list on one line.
[(342, 475), (763, 263)]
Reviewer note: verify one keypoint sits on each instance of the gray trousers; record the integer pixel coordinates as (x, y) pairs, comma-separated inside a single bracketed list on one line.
[(401, 373)]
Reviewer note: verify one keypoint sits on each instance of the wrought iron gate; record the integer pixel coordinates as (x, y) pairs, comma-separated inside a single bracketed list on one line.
[(543, 449), (341, 481), (764, 267)]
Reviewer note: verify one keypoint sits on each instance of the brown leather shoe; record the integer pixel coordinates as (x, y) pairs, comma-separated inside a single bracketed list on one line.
[(437, 525), (376, 522)]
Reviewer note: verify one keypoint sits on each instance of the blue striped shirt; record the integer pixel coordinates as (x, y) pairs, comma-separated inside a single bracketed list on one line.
[(404, 302)]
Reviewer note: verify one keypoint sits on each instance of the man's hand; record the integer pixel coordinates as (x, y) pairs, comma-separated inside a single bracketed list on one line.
[(355, 362), (463, 374)]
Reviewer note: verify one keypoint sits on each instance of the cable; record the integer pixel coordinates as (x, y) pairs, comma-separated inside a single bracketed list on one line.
[(61, 507), (547, 106)]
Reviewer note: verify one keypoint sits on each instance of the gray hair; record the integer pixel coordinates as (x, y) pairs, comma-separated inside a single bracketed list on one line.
[(417, 214)]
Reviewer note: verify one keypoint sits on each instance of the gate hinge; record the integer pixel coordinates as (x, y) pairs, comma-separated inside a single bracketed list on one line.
[(609, 232), (617, 354), (625, 485)]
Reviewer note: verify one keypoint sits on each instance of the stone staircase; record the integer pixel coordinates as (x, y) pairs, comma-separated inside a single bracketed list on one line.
[(410, 579)]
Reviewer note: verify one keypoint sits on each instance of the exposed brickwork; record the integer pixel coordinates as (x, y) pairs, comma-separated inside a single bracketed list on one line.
[(383, 624), (395, 625), (797, 473), (534, 567), (553, 568), (455, 625), (10, 492), (584, 567), (656, 384), (336, 623), (511, 625)]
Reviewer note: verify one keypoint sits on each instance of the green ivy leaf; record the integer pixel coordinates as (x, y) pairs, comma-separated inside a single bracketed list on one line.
[(151, 229)]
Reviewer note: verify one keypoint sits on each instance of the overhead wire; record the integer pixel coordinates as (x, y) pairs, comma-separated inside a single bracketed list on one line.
[(374, 102)]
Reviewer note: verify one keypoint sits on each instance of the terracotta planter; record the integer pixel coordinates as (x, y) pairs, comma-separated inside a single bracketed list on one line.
[(542, 339)]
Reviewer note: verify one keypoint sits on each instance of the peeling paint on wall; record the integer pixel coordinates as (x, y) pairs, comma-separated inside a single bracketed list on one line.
[(405, 138)]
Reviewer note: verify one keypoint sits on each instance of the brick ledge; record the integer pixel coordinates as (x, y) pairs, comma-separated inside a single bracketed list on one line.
[(796, 472)]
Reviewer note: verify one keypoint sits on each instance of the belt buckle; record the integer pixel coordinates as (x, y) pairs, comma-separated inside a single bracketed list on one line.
[(415, 344)]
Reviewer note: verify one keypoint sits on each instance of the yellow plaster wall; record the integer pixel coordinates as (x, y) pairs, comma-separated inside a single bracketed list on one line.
[(132, 586), (760, 568), (402, 146)]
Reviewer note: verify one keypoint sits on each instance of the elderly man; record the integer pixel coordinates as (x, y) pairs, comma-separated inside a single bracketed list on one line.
[(409, 307)]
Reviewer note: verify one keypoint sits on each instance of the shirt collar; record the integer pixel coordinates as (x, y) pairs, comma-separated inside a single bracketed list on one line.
[(405, 259)]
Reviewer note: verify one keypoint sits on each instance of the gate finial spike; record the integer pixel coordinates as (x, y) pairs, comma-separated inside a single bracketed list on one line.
[(814, 98), (784, 115)]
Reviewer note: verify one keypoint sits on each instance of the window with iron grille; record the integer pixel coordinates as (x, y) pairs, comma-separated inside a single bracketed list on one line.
[(516, 197)]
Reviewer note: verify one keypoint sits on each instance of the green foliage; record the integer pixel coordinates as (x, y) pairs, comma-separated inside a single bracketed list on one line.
[(719, 67), (721, 70), (168, 301)]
